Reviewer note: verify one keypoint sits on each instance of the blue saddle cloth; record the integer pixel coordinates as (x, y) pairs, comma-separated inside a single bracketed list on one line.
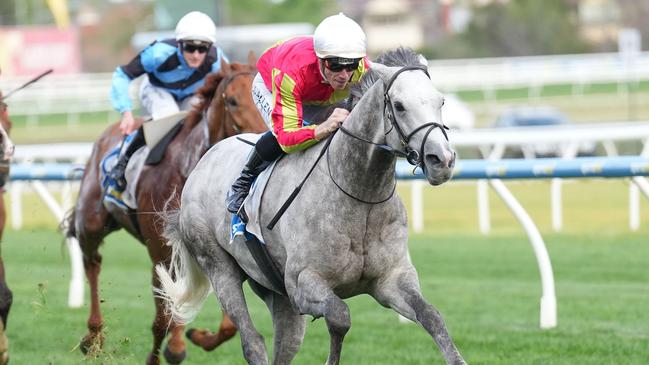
[(239, 229), (112, 193)]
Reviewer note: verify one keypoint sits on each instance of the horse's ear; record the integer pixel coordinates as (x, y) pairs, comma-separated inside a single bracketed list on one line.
[(423, 60), (225, 66), (252, 58)]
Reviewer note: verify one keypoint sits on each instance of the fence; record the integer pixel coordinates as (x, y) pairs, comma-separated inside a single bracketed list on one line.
[(470, 169), (84, 93)]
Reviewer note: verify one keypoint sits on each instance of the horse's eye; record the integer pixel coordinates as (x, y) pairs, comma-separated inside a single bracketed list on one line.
[(231, 102), (399, 106)]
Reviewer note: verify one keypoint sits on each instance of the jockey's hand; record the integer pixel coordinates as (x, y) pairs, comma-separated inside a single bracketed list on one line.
[(128, 123), (335, 120)]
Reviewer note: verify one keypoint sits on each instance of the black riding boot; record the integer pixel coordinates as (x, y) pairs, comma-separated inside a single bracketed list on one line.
[(265, 152), (117, 173), (241, 187)]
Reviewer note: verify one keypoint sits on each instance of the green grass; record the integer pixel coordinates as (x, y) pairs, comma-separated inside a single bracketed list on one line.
[(487, 287)]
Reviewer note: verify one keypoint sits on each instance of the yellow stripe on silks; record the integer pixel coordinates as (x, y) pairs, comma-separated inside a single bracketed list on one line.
[(289, 112), (289, 107), (59, 9)]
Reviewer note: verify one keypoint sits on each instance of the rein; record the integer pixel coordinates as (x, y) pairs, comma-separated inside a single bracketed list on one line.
[(413, 156)]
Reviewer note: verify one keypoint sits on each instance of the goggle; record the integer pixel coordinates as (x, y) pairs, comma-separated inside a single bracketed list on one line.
[(338, 64), (191, 48)]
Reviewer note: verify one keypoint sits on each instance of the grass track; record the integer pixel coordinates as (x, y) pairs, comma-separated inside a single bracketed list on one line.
[(487, 288)]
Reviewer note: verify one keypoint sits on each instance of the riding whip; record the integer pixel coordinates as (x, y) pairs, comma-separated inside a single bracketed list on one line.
[(27, 84)]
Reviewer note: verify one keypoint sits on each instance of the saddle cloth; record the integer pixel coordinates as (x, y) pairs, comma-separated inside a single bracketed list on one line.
[(252, 205), (127, 199)]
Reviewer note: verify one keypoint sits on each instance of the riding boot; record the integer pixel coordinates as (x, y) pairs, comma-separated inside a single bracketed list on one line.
[(241, 187), (118, 172)]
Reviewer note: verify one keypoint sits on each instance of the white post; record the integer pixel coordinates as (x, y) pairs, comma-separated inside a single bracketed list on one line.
[(557, 209), (16, 193), (75, 294), (548, 315), (48, 199), (634, 207), (483, 207), (417, 197)]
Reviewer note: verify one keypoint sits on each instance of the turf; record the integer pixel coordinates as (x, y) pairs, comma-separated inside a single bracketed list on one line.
[(487, 288)]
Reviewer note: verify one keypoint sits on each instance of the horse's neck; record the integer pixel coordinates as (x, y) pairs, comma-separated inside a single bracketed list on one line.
[(215, 122), (362, 169)]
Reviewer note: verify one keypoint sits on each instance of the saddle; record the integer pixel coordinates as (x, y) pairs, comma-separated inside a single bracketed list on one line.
[(158, 134)]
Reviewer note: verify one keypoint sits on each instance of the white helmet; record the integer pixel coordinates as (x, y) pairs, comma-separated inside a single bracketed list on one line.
[(339, 36), (196, 26)]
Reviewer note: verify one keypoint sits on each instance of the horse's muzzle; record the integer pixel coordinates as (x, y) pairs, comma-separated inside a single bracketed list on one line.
[(439, 167)]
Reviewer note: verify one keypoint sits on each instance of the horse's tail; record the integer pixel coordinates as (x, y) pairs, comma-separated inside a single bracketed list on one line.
[(67, 225), (184, 286)]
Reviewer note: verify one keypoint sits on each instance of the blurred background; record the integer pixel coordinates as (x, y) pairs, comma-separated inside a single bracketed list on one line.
[(521, 78), (582, 58)]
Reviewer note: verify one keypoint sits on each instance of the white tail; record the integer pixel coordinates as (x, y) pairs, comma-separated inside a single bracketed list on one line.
[(184, 286)]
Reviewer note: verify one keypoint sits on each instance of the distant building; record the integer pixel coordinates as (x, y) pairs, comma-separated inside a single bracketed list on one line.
[(390, 24), (600, 20)]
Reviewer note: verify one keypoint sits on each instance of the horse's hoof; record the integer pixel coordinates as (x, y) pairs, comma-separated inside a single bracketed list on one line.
[(189, 333), (91, 345), (152, 360), (174, 358)]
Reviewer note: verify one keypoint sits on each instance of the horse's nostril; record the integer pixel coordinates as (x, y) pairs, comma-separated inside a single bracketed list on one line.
[(434, 159)]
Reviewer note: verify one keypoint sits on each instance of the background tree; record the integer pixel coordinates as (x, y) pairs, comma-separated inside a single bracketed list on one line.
[(516, 28)]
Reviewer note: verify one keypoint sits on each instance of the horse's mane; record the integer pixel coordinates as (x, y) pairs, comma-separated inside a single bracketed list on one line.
[(206, 92), (399, 57)]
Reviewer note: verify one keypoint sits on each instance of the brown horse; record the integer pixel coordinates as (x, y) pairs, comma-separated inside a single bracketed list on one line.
[(227, 108), (6, 149)]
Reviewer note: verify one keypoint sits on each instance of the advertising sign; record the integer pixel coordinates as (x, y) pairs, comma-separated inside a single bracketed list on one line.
[(26, 51)]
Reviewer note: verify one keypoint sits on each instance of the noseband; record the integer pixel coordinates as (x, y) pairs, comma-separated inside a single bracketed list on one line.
[(414, 157)]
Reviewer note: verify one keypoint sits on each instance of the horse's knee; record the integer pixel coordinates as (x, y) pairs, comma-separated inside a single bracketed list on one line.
[(337, 316), (6, 299)]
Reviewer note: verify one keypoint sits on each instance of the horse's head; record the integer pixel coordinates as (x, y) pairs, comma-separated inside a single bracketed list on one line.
[(413, 117), (6, 145), (227, 101)]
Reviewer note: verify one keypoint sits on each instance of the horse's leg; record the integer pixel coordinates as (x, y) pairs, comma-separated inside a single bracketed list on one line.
[(400, 291), (209, 340), (89, 226), (312, 296), (175, 351), (6, 297), (288, 324), (227, 280), (93, 341)]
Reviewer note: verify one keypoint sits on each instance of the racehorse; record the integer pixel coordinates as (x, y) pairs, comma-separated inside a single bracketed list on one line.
[(346, 233), (6, 297), (226, 109)]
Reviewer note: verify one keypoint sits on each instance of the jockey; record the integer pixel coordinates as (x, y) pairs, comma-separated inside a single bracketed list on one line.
[(175, 68), (303, 73)]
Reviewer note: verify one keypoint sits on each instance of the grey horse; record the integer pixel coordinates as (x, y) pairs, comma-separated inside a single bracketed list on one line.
[(346, 233)]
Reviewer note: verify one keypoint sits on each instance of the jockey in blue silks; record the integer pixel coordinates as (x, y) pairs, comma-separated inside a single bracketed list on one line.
[(175, 68)]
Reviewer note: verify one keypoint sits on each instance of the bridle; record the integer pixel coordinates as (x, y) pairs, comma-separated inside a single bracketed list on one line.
[(413, 156), (207, 112)]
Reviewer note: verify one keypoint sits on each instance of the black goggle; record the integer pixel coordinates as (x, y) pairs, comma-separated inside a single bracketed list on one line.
[(338, 64), (191, 48)]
